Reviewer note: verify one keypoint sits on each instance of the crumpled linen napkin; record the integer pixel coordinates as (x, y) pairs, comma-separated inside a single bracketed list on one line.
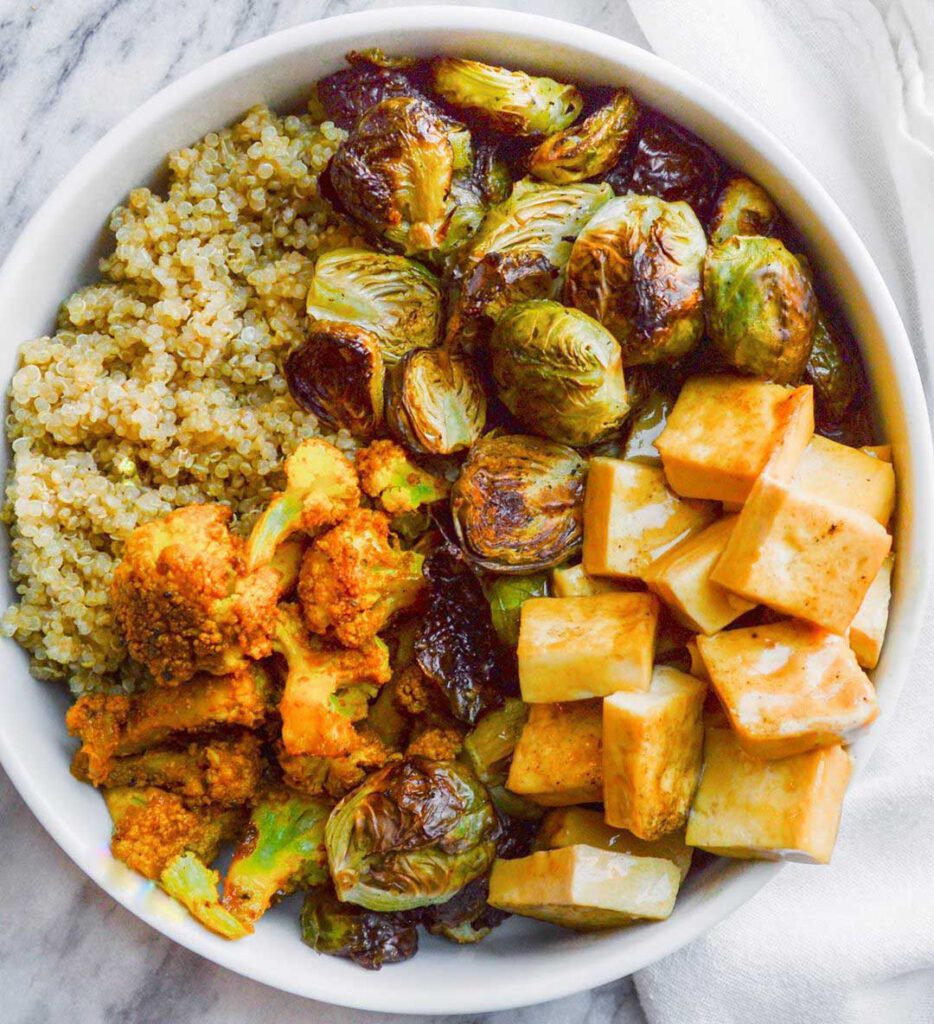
[(848, 85)]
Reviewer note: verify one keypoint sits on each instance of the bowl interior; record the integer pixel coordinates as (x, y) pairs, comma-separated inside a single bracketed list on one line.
[(522, 962)]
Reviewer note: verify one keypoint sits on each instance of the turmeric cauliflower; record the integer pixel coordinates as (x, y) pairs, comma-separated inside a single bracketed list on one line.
[(387, 473)]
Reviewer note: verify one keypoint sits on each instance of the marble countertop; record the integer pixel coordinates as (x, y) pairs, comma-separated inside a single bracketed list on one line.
[(69, 70)]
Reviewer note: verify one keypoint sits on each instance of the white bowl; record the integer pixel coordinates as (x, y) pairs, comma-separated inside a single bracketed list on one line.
[(522, 962)]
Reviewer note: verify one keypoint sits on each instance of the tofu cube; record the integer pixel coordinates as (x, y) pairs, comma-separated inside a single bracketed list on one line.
[(867, 630), (801, 555), (574, 582), (652, 753), (788, 687), (585, 888), (767, 810), (558, 760), (573, 648), (847, 476), (570, 826), (681, 578), (723, 430), (631, 517)]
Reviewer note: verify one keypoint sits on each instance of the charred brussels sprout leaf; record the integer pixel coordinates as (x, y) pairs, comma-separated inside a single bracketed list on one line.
[(489, 746), (338, 374), (588, 149), (518, 503), (413, 834), (760, 306), (368, 938), (647, 423), (559, 372), (456, 645), (673, 164), (394, 172), (507, 595), (394, 298), (742, 208), (489, 173), (636, 267), (349, 93), (436, 402), (466, 917), (509, 101), (834, 369)]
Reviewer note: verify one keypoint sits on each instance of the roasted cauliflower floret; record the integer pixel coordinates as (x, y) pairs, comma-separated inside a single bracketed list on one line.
[(184, 601), (321, 488), (437, 743), (353, 580), (334, 776), (387, 473)]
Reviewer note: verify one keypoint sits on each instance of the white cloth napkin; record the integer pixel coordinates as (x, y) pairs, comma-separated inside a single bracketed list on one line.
[(848, 85)]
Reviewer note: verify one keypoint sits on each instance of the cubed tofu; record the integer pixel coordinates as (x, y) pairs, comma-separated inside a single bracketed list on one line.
[(787, 687), (631, 517), (558, 760), (723, 430), (573, 648), (847, 476), (652, 753), (801, 555), (574, 582), (697, 667), (867, 630), (767, 810), (585, 888), (570, 826), (681, 578)]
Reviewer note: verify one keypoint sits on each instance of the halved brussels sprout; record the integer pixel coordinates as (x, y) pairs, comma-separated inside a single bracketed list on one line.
[(337, 373), (489, 173), (395, 298), (742, 208), (648, 421), (559, 372), (588, 149), (348, 94), (411, 835), (518, 503), (834, 369), (507, 594), (636, 267), (436, 403), (760, 305), (509, 101), (394, 171)]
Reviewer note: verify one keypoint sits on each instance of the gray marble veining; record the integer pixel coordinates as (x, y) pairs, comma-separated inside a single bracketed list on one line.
[(69, 70)]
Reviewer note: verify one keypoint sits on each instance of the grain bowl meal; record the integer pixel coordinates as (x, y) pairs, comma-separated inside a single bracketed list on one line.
[(456, 499)]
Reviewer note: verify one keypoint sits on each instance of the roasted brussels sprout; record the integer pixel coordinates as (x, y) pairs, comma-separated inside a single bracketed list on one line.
[(489, 175), (436, 402), (509, 101), (671, 163), (636, 267), (834, 369), (559, 372), (648, 421), (742, 208), (518, 503), (348, 94), (760, 306), (490, 744), (412, 835), (394, 298), (394, 172), (507, 594), (368, 938), (466, 917), (337, 373), (455, 646), (588, 149)]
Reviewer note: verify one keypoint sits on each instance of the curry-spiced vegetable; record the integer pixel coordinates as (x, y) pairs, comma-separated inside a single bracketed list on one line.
[(436, 402), (348, 94), (394, 172), (760, 306), (518, 503), (672, 163), (742, 208), (391, 296), (337, 373), (412, 835), (636, 267), (388, 474), (834, 369), (191, 882), (281, 851), (489, 745), (559, 372), (367, 937), (512, 102), (588, 149), (647, 422), (507, 594), (455, 645)]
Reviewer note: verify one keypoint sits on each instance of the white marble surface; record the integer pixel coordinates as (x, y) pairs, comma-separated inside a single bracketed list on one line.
[(69, 69)]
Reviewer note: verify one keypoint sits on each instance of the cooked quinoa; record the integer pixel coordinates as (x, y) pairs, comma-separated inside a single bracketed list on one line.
[(161, 385)]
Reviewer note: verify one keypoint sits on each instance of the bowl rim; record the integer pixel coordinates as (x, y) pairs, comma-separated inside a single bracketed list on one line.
[(598, 966)]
